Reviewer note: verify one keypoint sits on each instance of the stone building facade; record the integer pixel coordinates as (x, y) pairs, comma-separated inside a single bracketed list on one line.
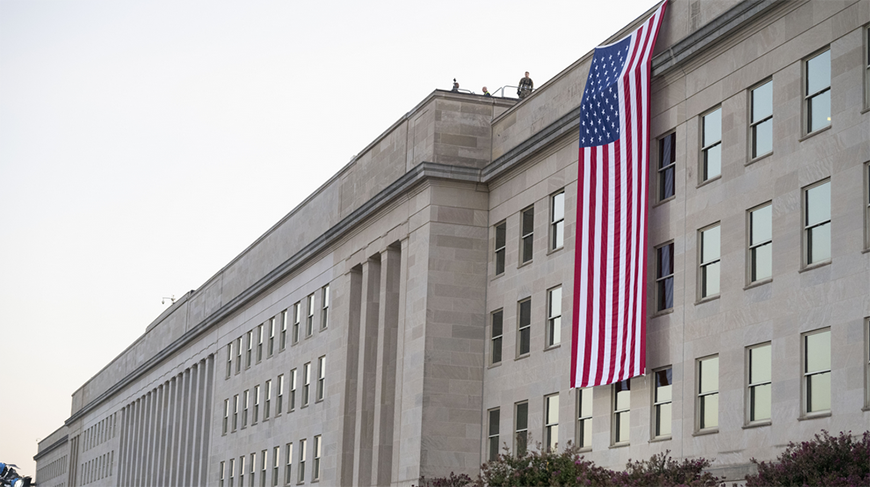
[(413, 315)]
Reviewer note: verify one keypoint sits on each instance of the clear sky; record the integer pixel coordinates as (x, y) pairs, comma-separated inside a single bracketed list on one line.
[(144, 144)]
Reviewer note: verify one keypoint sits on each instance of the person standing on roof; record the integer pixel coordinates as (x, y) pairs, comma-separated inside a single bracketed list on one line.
[(526, 85), (486, 92)]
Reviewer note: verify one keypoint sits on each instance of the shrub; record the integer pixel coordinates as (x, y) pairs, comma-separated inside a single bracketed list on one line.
[(662, 470), (452, 480), (566, 468), (826, 460)]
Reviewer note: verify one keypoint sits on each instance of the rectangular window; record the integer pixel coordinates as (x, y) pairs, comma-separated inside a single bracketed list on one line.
[(557, 221), (867, 363), (235, 411), (297, 313), (521, 428), (309, 321), (266, 410), (248, 353), (524, 328), (306, 382), (709, 257), (288, 468), (315, 470), (500, 243), (621, 420), (324, 307), (761, 120), (229, 359), (583, 431), (497, 334), (279, 406), (554, 316), (301, 467), (321, 376), (817, 371), (238, 355), (817, 223), (259, 343), (758, 383), (222, 474), (242, 471), (711, 144), (276, 463), (667, 165), (492, 436), (271, 336), (551, 422), (867, 68), (253, 469), (263, 466), (708, 393), (662, 397), (527, 234), (245, 401), (665, 277), (760, 252), (226, 415), (232, 470), (817, 98), (256, 404), (282, 343), (291, 401), (867, 205)]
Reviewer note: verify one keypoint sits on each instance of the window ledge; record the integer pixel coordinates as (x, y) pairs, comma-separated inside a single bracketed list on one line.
[(753, 161), (815, 266), (758, 283), (525, 355), (662, 313), (660, 438), (808, 416), (553, 347), (707, 299), (585, 449), (865, 250), (865, 110), (553, 251), (492, 366), (666, 200), (817, 132), (706, 432), (866, 409), (711, 180), (620, 445), (528, 262), (757, 424)]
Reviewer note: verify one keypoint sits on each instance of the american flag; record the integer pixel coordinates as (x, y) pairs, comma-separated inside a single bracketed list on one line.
[(609, 267)]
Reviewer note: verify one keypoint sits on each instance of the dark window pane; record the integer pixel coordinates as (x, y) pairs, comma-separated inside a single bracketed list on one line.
[(666, 187), (500, 235), (525, 340)]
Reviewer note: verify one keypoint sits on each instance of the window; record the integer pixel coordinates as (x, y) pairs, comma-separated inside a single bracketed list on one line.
[(222, 471), (817, 223), (242, 471), (321, 375), (711, 145), (291, 403), (867, 205), (282, 343), (554, 316), (250, 348), (315, 470), (309, 321), (239, 355), (229, 359), (235, 411), (492, 436), (288, 468), (817, 104), (276, 462), (245, 401), (521, 428), (253, 469), (496, 337), (667, 165), (263, 466), (280, 404), (306, 381), (867, 363), (709, 250), (758, 382), (621, 411), (500, 242), (867, 70), (583, 431), (557, 221), (259, 343), (301, 467), (271, 336), (708, 393), (551, 422), (524, 328), (226, 415), (324, 307), (760, 252), (665, 277), (297, 312), (761, 120), (256, 404), (662, 396), (232, 470), (527, 222), (816, 371), (266, 410)]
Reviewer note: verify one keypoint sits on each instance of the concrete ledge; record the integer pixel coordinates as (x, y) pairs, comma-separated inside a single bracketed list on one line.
[(50, 448)]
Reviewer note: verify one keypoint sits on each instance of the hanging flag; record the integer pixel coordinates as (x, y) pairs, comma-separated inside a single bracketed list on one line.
[(610, 262)]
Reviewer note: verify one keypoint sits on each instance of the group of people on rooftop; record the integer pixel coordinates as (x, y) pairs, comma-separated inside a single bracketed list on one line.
[(524, 87)]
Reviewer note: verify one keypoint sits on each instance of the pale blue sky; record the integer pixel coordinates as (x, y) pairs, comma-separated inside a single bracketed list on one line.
[(143, 145)]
